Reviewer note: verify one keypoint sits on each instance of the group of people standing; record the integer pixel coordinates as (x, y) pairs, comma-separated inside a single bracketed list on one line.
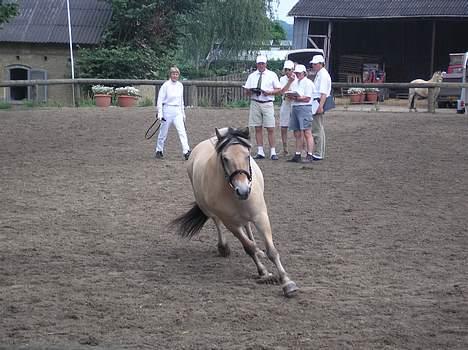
[(302, 109)]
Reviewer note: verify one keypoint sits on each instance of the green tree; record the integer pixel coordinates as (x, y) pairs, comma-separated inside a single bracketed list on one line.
[(277, 32), (140, 36), (7, 11), (226, 29)]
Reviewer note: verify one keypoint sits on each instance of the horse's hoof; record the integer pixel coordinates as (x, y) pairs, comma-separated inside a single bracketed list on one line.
[(267, 279), (224, 251), (290, 289)]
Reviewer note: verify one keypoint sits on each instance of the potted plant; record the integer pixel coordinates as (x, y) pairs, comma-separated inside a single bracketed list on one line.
[(356, 94), (372, 94), (127, 96), (102, 95)]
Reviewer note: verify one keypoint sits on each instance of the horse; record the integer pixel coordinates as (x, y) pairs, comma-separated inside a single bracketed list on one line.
[(228, 187), (414, 93)]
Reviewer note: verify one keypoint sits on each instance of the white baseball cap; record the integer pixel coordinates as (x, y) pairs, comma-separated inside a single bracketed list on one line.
[(261, 59), (300, 68), (288, 64), (317, 59)]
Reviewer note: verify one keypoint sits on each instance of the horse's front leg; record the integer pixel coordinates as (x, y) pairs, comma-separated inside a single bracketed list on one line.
[(250, 247), (263, 225)]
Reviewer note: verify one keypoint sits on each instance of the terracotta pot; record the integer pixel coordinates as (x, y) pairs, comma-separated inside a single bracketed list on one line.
[(102, 100), (126, 101), (355, 98), (362, 97), (371, 96)]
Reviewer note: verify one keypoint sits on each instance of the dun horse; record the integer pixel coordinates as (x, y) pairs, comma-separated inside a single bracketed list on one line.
[(414, 93), (228, 188)]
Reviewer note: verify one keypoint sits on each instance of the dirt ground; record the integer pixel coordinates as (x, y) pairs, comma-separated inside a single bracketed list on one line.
[(375, 237)]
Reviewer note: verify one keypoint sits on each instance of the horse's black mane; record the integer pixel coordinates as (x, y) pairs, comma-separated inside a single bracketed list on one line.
[(232, 137)]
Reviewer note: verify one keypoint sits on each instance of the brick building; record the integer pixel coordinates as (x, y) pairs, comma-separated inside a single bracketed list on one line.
[(35, 44)]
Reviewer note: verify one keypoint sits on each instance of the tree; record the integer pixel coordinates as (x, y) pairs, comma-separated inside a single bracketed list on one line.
[(222, 28), (141, 34), (277, 32), (7, 11)]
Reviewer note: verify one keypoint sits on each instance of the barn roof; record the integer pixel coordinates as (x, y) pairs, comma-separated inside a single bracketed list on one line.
[(354, 9), (46, 21)]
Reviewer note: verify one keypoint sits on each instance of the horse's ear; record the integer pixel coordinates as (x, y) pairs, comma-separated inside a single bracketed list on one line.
[(245, 132), (218, 135)]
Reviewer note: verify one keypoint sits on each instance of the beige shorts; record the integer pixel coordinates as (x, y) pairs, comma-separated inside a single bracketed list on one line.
[(285, 114), (262, 114)]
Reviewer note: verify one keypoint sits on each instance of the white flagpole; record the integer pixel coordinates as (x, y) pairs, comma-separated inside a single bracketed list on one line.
[(71, 51)]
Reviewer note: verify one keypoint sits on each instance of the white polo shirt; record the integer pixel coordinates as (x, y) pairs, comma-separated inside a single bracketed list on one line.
[(322, 83), (304, 87), (270, 82)]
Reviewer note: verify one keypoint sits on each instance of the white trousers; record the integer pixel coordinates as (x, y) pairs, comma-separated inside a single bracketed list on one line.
[(173, 115)]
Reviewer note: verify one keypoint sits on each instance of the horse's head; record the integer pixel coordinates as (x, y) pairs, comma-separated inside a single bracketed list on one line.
[(438, 77), (233, 147)]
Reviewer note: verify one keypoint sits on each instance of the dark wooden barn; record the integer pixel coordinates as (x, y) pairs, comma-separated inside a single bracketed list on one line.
[(406, 39)]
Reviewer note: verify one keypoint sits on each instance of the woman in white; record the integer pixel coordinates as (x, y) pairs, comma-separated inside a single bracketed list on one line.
[(170, 107)]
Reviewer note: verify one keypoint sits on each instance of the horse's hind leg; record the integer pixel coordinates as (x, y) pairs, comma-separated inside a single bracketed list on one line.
[(223, 246)]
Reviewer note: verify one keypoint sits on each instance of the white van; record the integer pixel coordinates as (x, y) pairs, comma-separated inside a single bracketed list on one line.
[(304, 56)]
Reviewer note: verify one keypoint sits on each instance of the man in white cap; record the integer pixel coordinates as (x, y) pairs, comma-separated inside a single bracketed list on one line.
[(322, 84), (285, 111), (262, 86), (302, 90)]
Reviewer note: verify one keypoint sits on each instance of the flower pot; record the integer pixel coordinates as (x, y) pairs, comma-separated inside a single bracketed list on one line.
[(102, 100), (355, 98), (362, 97), (371, 96), (126, 101)]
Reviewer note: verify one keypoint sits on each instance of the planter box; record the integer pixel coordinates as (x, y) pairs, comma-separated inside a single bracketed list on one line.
[(102, 100), (126, 101)]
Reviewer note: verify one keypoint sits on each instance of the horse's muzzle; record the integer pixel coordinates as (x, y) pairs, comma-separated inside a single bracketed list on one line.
[(242, 192)]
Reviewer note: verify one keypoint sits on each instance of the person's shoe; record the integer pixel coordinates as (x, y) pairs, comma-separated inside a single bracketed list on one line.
[(295, 159), (285, 152), (159, 155), (274, 157), (309, 158), (259, 156), (187, 155), (315, 157)]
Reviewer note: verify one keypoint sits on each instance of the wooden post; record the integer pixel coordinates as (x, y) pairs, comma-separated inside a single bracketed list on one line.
[(193, 93), (431, 100)]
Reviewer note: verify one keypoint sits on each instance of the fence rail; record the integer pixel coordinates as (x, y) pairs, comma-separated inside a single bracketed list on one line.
[(218, 93)]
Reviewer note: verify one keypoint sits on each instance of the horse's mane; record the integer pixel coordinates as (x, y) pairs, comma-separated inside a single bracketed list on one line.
[(231, 137)]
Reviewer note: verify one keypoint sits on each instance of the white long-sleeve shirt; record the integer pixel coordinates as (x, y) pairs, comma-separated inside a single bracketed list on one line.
[(171, 93)]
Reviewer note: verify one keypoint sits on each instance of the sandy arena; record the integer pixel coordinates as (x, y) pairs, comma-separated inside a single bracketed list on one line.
[(375, 237)]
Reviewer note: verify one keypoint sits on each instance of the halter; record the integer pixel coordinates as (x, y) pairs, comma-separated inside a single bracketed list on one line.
[(236, 172), (233, 139)]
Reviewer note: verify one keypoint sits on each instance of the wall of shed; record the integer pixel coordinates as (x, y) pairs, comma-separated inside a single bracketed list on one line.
[(53, 59), (403, 45)]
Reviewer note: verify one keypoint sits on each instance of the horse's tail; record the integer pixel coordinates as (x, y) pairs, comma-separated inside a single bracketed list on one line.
[(190, 223)]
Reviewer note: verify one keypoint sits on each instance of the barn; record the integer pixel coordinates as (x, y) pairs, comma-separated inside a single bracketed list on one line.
[(35, 44), (391, 41)]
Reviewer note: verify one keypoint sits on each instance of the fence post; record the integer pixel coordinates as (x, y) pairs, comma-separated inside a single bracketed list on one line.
[(193, 93), (430, 100)]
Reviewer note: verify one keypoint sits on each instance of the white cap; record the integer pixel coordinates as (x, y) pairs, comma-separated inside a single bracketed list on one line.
[(300, 68), (317, 59), (261, 59), (288, 64)]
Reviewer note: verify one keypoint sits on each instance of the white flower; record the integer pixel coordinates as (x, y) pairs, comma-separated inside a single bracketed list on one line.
[(356, 90), (127, 90), (102, 90)]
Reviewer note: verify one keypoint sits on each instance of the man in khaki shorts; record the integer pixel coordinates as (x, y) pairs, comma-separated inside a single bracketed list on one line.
[(261, 86)]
